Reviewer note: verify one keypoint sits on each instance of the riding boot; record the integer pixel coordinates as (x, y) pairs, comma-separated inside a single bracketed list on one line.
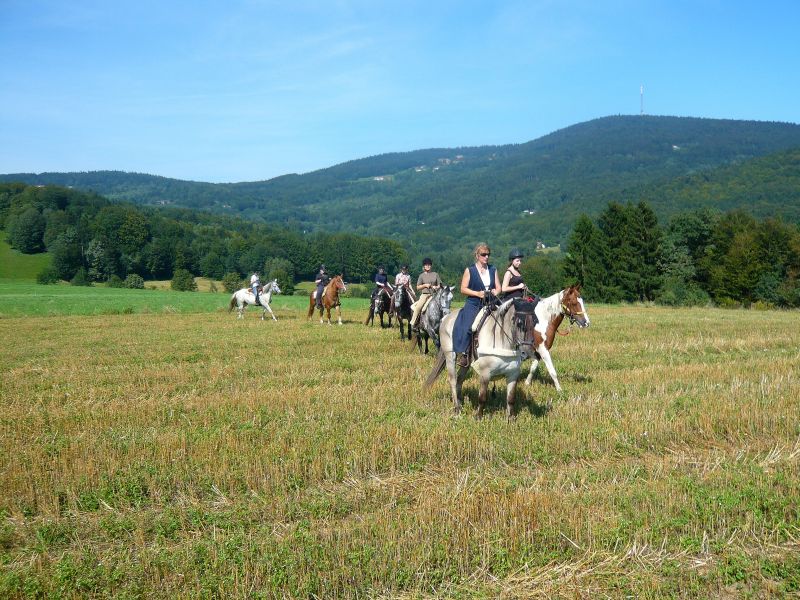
[(462, 359)]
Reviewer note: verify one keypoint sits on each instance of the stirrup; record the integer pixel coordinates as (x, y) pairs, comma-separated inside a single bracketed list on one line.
[(462, 360)]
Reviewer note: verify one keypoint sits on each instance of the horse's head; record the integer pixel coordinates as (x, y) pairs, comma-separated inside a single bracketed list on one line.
[(444, 298), (338, 283), (273, 286), (522, 316), (572, 306)]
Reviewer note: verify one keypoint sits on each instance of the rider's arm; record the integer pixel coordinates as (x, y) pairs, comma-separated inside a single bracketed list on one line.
[(465, 286), (506, 280), (496, 282)]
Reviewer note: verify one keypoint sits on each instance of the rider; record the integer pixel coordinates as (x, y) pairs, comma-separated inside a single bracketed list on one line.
[(403, 278), (427, 282), (321, 280), (381, 284), (479, 284), (513, 285), (255, 283)]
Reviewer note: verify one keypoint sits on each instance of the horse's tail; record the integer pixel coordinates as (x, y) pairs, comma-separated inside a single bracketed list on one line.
[(438, 367), (233, 302)]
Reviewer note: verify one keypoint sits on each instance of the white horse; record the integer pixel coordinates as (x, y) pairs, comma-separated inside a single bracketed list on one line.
[(504, 342), (241, 298), (550, 312)]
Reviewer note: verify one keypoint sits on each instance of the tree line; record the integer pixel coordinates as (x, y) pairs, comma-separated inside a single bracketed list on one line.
[(92, 239), (700, 256)]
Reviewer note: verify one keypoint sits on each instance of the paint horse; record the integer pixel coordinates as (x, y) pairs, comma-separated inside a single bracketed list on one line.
[(402, 299), (429, 321), (382, 305), (330, 299), (550, 313), (504, 341), (241, 298)]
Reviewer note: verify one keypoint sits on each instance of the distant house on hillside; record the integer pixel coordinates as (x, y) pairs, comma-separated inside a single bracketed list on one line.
[(540, 245)]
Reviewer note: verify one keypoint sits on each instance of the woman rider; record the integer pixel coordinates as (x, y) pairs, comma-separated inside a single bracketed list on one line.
[(513, 286), (479, 284)]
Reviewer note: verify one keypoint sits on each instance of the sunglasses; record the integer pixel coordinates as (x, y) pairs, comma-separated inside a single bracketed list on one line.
[(485, 254)]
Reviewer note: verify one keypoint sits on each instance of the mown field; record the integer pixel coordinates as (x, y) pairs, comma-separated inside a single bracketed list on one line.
[(185, 454)]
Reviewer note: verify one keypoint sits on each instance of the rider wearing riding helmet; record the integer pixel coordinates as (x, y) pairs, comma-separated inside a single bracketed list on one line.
[(513, 285), (403, 278), (479, 284), (427, 282), (381, 282), (321, 280)]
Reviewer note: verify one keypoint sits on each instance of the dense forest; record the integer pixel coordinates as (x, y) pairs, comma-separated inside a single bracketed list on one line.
[(93, 239), (442, 201), (625, 254), (700, 256)]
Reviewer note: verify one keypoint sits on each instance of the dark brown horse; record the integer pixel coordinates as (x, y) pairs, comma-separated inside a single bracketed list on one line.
[(401, 308), (330, 299), (382, 305)]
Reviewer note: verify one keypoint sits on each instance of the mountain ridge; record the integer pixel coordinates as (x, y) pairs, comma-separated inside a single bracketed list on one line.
[(438, 198)]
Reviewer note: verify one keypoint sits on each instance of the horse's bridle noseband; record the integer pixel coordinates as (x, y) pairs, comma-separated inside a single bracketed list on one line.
[(572, 316)]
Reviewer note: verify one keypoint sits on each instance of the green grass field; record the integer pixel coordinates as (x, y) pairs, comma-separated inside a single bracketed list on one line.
[(20, 298), (187, 454), (17, 266)]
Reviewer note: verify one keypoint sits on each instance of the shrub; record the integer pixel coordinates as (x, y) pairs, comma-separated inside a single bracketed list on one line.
[(677, 292), (232, 282), (134, 282), (115, 282), (183, 281), (81, 278), (47, 276)]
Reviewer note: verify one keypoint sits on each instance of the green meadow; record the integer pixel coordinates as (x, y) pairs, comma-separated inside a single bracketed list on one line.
[(17, 266), (171, 450)]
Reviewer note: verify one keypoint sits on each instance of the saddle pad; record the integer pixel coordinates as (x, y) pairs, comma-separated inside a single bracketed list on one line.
[(474, 327)]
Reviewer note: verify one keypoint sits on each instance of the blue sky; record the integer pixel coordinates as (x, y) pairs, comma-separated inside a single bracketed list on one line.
[(248, 90)]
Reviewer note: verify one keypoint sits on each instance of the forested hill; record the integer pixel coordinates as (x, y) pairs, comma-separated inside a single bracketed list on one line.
[(438, 200)]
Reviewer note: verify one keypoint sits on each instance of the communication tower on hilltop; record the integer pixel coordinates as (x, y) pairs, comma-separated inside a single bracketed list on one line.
[(641, 100)]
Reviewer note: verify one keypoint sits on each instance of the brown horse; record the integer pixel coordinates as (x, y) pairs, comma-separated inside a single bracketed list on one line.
[(330, 299)]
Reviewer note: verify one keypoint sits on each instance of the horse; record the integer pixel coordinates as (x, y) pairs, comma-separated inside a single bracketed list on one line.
[(429, 321), (550, 312), (401, 308), (330, 299), (504, 342), (241, 298), (381, 306)]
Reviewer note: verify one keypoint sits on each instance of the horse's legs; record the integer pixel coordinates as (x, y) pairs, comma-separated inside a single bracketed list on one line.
[(455, 379), (267, 308), (534, 364), (511, 388), (548, 362), (338, 313), (482, 393)]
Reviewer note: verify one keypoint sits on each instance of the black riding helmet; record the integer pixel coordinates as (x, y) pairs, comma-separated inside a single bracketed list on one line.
[(515, 253), (322, 267)]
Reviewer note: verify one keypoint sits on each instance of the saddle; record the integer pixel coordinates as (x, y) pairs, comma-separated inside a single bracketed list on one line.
[(475, 328)]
